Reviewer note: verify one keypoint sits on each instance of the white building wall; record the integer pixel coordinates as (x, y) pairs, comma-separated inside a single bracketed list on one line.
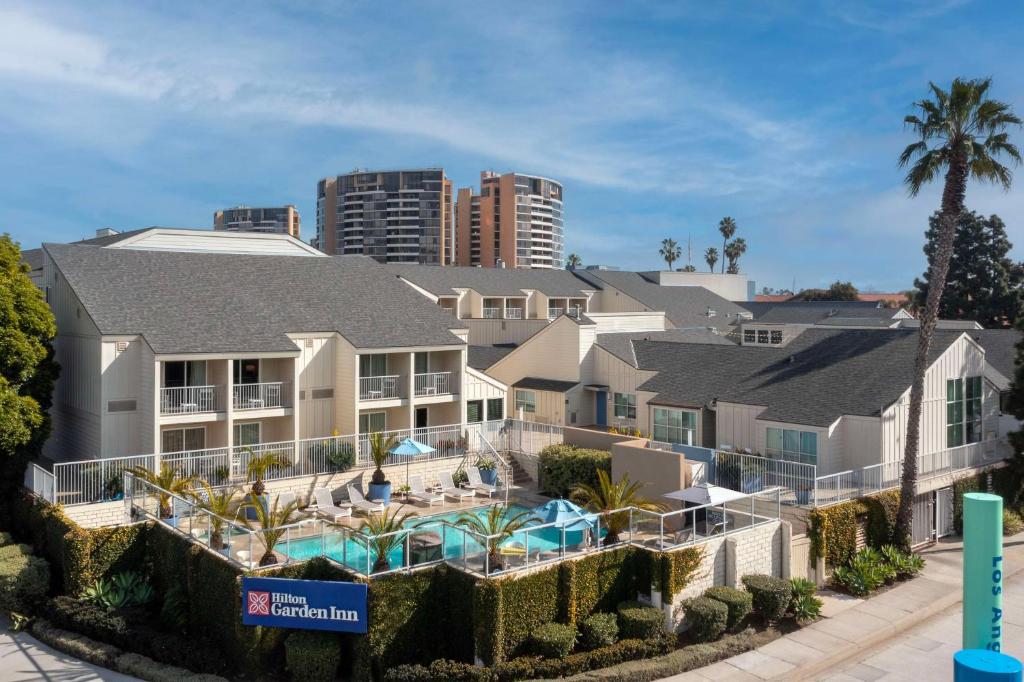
[(317, 375), (736, 425), (551, 354), (861, 441), (346, 390), (122, 379), (490, 332), (610, 322)]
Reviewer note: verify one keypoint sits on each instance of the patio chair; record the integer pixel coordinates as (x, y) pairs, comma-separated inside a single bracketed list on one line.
[(363, 504), (476, 484), (681, 536), (418, 492), (284, 499), (449, 489), (325, 506)]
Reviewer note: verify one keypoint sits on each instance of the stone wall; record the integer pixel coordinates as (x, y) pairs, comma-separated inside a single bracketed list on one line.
[(97, 514)]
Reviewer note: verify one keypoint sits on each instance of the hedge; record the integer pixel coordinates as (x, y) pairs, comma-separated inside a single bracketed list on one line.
[(312, 656), (739, 603), (553, 640), (24, 579), (771, 595), (881, 518), (561, 467), (598, 630), (833, 531), (640, 621), (971, 484), (673, 571), (707, 618)]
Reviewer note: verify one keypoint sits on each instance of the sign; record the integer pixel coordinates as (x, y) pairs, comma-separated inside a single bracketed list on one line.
[(304, 604)]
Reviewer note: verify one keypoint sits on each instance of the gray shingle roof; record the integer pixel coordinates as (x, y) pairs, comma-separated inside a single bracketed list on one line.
[(821, 375), (226, 303), (541, 384), (442, 281), (815, 312), (1000, 348), (621, 344), (482, 357)]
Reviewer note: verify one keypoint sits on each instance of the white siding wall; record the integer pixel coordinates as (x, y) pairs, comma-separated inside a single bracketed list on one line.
[(346, 389), (611, 300), (861, 442), (551, 354), (122, 379), (608, 322), (478, 386), (736, 425), (489, 332), (620, 377), (316, 369)]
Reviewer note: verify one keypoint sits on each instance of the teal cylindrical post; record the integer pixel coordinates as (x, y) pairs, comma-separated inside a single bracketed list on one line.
[(983, 572), (979, 665)]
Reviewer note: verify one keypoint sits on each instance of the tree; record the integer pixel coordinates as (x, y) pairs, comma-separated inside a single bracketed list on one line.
[(497, 525), (689, 267), (962, 133), (573, 261), (608, 496), (169, 482), (711, 257), (260, 465), (272, 519), (733, 251), (727, 226), (670, 251), (385, 536), (222, 504), (983, 284), (1015, 406), (380, 449), (837, 291)]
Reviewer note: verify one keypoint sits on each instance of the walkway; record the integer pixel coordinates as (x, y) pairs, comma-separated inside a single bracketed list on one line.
[(23, 658), (915, 615)]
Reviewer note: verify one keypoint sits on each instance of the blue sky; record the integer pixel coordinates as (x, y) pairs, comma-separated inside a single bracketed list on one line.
[(659, 118)]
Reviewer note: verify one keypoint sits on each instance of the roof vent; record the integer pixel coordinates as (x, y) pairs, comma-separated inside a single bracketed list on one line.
[(106, 232), (711, 312)]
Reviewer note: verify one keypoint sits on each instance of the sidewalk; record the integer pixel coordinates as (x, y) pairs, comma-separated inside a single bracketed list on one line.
[(826, 645), (23, 658)]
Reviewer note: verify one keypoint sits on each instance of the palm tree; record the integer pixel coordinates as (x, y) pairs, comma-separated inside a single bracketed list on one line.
[(380, 448), (272, 520), (387, 525), (711, 257), (670, 251), (221, 504), (727, 226), (497, 525), (260, 465), (733, 251), (574, 261), (169, 483), (961, 132), (608, 496)]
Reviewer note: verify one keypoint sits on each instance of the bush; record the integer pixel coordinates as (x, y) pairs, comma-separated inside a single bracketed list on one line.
[(903, 564), (864, 573), (1012, 522), (553, 640), (5, 539), (441, 669), (562, 467), (640, 621), (598, 630), (312, 656), (24, 579), (805, 608), (525, 668), (740, 604), (77, 645), (770, 595), (342, 456), (707, 618), (148, 669)]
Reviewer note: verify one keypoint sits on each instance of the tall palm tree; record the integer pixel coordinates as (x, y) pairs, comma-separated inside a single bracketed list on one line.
[(608, 496), (272, 519), (573, 261), (711, 257), (733, 251), (961, 133), (169, 482), (222, 504), (380, 448), (497, 525), (670, 251), (260, 465), (384, 537), (727, 226)]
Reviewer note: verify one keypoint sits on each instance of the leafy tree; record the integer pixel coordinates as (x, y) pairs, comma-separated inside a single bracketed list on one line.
[(1015, 406), (961, 134), (983, 283), (573, 261), (727, 226), (733, 251), (711, 257), (837, 291), (670, 251)]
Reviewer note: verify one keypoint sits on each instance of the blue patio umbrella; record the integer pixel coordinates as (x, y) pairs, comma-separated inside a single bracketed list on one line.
[(410, 449), (568, 515)]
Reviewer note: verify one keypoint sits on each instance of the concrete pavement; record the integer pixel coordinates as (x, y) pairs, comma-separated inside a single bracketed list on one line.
[(23, 658)]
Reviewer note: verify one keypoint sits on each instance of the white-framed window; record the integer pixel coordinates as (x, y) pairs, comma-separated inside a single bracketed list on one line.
[(474, 411), (963, 411), (246, 433), (370, 422), (526, 401), (183, 440), (375, 365), (495, 408), (792, 445), (749, 336), (675, 426), (776, 337), (762, 336), (624, 405)]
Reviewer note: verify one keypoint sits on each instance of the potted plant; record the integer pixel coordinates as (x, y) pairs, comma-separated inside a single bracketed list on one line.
[(114, 488), (222, 505), (169, 483), (221, 475), (488, 470), (608, 496), (497, 525), (380, 447), (257, 469), (341, 455), (271, 519), (403, 491), (383, 536)]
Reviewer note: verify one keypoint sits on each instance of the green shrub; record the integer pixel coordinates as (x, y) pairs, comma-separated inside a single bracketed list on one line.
[(342, 455), (574, 664), (124, 589), (971, 484), (1012, 522), (865, 573), (312, 656), (598, 630), (77, 645), (739, 602), (904, 564), (640, 621), (14, 551), (770, 595), (707, 618), (833, 531), (553, 640), (5, 539), (562, 467), (805, 608), (881, 517), (440, 669), (24, 579), (148, 669)]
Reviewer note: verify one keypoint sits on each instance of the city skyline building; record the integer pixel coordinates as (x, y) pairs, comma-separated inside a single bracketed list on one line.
[(269, 220)]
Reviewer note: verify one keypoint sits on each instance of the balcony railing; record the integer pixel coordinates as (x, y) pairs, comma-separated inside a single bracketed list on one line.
[(574, 311), (513, 313), (555, 312), (190, 399), (433, 383), (492, 313), (262, 396), (379, 388)]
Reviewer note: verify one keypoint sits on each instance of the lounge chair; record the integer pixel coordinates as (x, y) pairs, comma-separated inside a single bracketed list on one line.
[(477, 484), (449, 489), (418, 492), (325, 505), (360, 502), (284, 499)]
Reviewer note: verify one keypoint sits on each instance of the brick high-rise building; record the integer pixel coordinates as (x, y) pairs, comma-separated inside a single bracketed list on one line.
[(274, 220)]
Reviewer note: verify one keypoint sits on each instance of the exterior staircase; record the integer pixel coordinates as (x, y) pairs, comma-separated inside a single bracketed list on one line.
[(520, 477)]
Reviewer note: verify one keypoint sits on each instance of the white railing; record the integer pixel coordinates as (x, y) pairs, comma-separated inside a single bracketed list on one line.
[(433, 383), (261, 396), (555, 312), (95, 480), (513, 313), (752, 474), (40, 482), (574, 311), (486, 450), (188, 399), (492, 313), (379, 388)]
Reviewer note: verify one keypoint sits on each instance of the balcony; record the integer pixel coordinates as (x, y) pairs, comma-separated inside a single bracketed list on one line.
[(262, 396), (380, 387), (513, 313), (432, 383), (190, 399), (492, 313), (555, 312)]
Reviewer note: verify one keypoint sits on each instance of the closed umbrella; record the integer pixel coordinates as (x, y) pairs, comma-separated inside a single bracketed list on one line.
[(410, 449)]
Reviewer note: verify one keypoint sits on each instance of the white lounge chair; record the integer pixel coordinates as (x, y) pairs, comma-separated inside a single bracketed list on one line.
[(418, 492), (477, 484), (284, 499), (360, 502), (325, 505), (449, 489)]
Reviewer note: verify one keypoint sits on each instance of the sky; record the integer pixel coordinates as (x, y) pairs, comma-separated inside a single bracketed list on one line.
[(658, 118)]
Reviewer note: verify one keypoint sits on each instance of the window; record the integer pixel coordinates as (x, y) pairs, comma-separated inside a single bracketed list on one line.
[(625, 405), (495, 408), (373, 365), (474, 411), (675, 426), (762, 336), (749, 336), (247, 371), (793, 445), (963, 411), (526, 401), (185, 373), (370, 422), (127, 405), (247, 433), (776, 337), (422, 363), (181, 440)]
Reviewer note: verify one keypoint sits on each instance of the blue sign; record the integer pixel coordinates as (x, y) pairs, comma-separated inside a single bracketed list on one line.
[(304, 604)]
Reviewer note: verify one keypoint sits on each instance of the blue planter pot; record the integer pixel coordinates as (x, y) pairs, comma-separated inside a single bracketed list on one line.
[(250, 513), (489, 476), (380, 492)]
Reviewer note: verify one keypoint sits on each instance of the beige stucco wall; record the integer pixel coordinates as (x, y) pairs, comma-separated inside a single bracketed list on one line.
[(660, 471)]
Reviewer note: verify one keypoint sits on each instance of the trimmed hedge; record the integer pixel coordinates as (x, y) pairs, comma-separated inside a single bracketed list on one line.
[(24, 579), (640, 621), (561, 467), (598, 630), (707, 618), (312, 656), (971, 484), (833, 531), (771, 595), (881, 518), (738, 602), (553, 640), (677, 569)]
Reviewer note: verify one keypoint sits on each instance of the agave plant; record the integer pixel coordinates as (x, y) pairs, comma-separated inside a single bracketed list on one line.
[(608, 496), (498, 524), (380, 448), (221, 504), (383, 536), (124, 589), (260, 465), (169, 482), (271, 518)]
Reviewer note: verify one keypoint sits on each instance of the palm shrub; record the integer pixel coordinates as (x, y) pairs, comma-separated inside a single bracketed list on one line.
[(770, 595), (804, 606), (598, 630), (222, 505), (608, 496), (260, 465), (380, 448), (124, 589), (739, 602), (169, 483), (384, 536), (497, 525), (864, 573), (271, 519)]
